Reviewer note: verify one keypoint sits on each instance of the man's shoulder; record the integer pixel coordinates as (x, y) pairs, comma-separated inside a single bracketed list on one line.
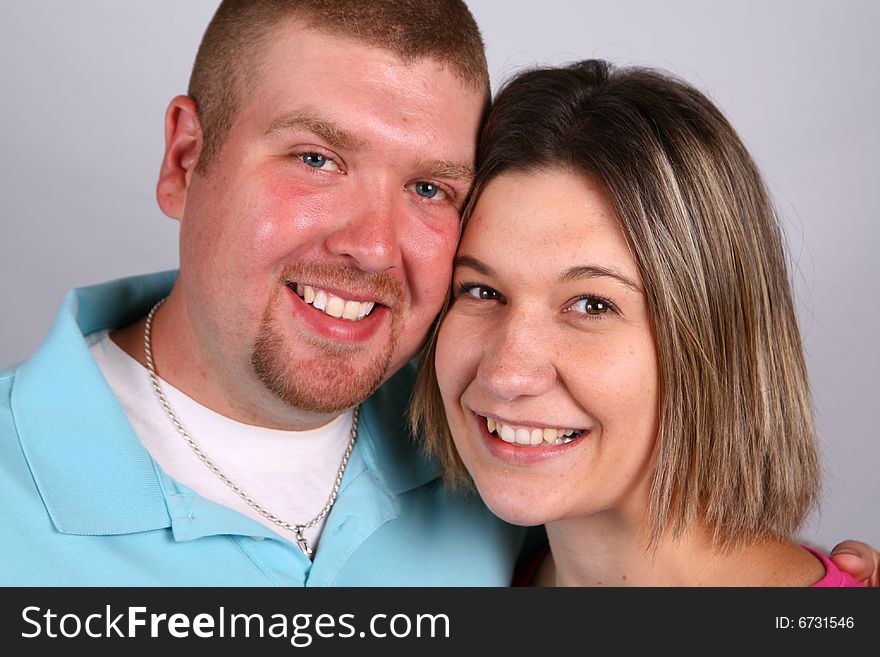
[(7, 378), (7, 374), (107, 305), (7, 382), (118, 302), (62, 370), (86, 310)]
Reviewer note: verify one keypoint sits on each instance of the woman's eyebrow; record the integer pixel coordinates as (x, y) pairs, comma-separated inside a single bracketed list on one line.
[(595, 271), (571, 274), (473, 263)]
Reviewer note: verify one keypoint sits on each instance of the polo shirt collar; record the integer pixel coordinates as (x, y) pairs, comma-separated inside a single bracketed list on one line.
[(93, 474)]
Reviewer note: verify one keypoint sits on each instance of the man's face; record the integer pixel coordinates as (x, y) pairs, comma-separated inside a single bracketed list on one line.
[(316, 249)]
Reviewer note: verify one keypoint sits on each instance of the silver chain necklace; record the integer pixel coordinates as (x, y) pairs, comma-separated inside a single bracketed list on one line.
[(297, 529)]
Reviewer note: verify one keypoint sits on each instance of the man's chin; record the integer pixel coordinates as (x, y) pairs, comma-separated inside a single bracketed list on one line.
[(325, 400), (318, 375), (326, 388)]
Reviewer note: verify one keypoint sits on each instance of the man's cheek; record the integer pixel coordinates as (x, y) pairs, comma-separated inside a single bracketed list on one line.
[(434, 262), (299, 208)]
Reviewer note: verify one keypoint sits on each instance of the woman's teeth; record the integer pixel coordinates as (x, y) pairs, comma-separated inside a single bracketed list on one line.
[(532, 436)]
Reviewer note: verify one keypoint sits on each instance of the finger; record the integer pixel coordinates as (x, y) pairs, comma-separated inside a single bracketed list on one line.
[(859, 560)]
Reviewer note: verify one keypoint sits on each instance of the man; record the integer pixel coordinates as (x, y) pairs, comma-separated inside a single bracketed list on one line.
[(248, 429)]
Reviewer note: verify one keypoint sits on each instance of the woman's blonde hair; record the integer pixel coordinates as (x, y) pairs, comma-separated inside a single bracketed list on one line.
[(736, 446)]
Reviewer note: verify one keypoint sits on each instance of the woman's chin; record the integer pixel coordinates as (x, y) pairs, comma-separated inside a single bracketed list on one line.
[(515, 511)]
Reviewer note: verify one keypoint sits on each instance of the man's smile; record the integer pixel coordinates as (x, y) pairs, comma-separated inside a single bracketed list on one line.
[(331, 304)]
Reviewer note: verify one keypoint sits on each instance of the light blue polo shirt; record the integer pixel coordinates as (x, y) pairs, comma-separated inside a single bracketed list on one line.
[(84, 504)]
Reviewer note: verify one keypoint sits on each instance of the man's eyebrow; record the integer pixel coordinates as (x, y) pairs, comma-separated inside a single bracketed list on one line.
[(452, 170), (595, 271), (326, 130)]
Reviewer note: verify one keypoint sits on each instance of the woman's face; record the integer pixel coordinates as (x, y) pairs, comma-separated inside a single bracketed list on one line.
[(546, 360)]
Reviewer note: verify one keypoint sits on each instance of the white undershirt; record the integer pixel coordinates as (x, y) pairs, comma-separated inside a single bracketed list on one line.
[(288, 473)]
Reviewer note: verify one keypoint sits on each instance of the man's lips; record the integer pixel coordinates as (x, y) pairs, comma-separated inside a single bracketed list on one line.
[(362, 323)]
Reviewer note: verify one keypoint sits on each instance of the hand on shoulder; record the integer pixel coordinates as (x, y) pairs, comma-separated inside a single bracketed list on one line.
[(859, 560)]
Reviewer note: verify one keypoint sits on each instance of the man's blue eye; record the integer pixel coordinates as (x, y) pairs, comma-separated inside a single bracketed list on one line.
[(427, 190), (318, 162), (314, 160)]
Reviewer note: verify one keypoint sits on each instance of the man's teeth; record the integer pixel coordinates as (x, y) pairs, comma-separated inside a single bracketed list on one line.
[(533, 436), (333, 305)]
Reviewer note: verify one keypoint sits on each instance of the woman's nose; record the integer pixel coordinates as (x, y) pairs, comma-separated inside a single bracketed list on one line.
[(518, 362)]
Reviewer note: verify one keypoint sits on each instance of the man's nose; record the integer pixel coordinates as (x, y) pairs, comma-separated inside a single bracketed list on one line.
[(367, 232), (518, 360)]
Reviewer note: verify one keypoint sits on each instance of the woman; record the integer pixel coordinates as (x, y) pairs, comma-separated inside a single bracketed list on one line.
[(620, 358)]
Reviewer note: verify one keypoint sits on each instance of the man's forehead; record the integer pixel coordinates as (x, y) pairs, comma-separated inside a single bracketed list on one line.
[(291, 30)]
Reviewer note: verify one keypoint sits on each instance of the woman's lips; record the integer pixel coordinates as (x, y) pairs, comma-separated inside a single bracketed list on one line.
[(530, 444)]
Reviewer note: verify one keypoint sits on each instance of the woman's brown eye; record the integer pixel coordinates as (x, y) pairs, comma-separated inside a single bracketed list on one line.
[(482, 292), (592, 306)]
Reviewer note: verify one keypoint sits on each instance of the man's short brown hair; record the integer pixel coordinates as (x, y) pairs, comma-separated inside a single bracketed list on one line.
[(227, 62)]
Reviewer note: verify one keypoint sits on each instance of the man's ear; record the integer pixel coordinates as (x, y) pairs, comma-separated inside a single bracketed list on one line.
[(183, 144)]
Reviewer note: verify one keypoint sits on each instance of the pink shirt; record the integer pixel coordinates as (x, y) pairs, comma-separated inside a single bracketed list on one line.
[(834, 576)]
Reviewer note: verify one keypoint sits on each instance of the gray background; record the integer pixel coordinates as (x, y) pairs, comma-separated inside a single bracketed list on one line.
[(85, 84)]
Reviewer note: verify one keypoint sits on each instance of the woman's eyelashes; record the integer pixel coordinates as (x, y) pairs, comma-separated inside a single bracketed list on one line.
[(588, 306), (477, 292), (592, 306)]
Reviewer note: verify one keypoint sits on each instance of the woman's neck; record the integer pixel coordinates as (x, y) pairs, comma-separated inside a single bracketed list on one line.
[(604, 550)]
